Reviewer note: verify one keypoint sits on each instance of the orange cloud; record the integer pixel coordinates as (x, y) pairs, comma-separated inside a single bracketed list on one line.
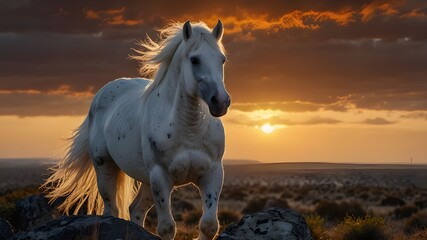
[(20, 91), (384, 7), (111, 17), (295, 19), (56, 102), (64, 90), (415, 13)]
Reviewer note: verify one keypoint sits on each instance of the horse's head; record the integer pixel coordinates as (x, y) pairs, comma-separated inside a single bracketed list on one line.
[(203, 66)]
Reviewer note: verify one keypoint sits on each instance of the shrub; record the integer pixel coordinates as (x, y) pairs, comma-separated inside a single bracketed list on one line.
[(257, 204), (404, 212), (254, 205), (276, 202), (364, 228), (421, 203), (317, 227), (286, 194), (7, 202), (233, 193), (364, 196), (421, 235), (182, 205), (192, 218), (227, 216), (416, 223), (392, 201), (338, 211)]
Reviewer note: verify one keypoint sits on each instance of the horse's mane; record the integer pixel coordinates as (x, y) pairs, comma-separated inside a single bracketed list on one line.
[(155, 57)]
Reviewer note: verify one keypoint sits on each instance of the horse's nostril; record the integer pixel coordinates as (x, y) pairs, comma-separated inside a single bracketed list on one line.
[(214, 101)]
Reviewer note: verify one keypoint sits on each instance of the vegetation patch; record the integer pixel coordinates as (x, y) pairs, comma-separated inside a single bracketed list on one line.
[(333, 211), (361, 228), (317, 227)]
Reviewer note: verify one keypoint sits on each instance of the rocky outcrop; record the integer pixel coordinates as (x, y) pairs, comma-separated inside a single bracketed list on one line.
[(32, 211), (87, 227), (274, 223), (6, 230)]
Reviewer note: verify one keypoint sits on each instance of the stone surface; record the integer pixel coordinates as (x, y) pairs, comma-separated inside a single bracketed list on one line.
[(272, 224), (32, 211), (87, 227), (6, 230)]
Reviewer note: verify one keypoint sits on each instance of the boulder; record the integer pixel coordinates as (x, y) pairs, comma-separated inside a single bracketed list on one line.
[(87, 227), (274, 223), (6, 230), (32, 211)]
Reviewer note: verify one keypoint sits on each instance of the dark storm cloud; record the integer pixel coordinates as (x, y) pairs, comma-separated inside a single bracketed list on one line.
[(47, 61), (369, 53), (370, 71), (43, 104)]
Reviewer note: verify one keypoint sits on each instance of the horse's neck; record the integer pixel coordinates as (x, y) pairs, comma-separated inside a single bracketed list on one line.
[(187, 112)]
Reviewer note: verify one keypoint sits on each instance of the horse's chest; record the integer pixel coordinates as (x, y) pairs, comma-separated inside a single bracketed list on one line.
[(186, 158), (189, 165)]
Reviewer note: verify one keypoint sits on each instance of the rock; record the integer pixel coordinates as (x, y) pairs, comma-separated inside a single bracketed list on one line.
[(87, 227), (32, 211), (274, 223), (6, 230)]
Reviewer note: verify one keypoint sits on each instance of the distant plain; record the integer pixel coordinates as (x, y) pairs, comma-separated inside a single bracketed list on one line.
[(383, 190)]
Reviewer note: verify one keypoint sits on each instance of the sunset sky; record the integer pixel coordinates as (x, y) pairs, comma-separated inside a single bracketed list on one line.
[(332, 81)]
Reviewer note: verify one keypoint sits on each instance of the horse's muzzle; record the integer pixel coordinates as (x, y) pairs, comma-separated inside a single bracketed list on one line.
[(218, 108)]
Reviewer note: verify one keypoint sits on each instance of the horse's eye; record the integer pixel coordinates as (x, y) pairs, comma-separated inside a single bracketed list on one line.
[(194, 60)]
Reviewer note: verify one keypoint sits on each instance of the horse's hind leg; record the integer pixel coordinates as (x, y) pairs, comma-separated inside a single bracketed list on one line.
[(107, 173), (140, 206)]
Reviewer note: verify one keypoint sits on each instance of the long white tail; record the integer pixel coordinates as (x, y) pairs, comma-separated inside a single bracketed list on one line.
[(74, 178)]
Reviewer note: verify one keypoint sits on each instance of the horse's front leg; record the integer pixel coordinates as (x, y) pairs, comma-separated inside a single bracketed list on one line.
[(161, 188), (210, 186)]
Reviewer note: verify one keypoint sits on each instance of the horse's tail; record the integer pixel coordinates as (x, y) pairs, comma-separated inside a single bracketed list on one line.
[(74, 178)]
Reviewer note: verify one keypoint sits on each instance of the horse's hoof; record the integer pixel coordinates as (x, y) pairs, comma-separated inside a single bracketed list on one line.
[(166, 229), (208, 229)]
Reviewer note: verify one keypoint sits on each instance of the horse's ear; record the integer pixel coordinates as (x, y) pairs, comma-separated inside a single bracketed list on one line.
[(186, 30), (218, 30)]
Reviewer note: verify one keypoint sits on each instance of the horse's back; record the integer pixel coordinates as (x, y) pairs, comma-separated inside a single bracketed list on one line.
[(114, 90), (117, 94)]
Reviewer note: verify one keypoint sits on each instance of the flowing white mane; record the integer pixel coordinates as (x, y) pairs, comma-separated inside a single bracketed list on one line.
[(156, 57)]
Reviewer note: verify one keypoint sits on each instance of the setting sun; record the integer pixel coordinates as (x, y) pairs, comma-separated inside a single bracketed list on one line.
[(267, 128)]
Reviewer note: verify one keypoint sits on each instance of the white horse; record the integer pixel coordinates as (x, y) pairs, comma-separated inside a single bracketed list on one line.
[(162, 133)]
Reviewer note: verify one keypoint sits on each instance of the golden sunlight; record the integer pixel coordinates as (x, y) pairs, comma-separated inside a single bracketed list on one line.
[(267, 128)]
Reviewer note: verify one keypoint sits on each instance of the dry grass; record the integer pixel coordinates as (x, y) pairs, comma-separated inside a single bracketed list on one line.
[(361, 228)]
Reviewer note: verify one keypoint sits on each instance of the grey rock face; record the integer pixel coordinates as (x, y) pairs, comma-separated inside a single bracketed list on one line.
[(272, 224), (6, 230), (87, 227), (32, 211)]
